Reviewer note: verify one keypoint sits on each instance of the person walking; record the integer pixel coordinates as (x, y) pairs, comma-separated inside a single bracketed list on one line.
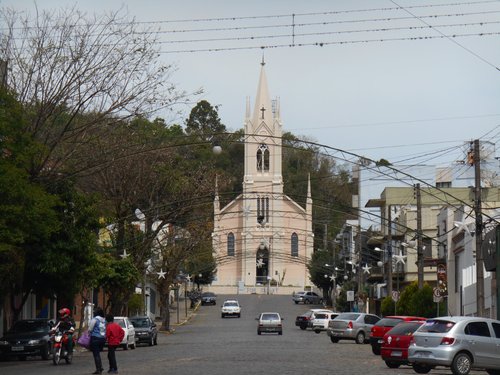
[(97, 330), (114, 336)]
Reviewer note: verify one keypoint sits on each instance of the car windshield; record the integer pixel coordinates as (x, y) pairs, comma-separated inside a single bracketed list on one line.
[(230, 303), (29, 326), (120, 322), (437, 326), (270, 317), (208, 294), (405, 329), (321, 316), (388, 322), (140, 322)]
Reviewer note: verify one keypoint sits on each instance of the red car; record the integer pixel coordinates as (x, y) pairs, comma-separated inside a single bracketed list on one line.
[(395, 343), (383, 326)]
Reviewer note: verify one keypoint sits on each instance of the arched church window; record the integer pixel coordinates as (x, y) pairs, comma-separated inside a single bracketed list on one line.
[(295, 245), (263, 158), (230, 244), (262, 210)]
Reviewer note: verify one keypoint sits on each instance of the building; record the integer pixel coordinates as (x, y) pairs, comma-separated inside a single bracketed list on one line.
[(262, 239)]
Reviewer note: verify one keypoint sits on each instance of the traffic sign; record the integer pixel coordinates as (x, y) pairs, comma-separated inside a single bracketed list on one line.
[(395, 295), (436, 292)]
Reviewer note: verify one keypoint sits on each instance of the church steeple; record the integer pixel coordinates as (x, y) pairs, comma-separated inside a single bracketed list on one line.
[(263, 110)]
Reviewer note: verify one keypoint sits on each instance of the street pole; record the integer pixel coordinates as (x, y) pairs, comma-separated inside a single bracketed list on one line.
[(389, 252), (479, 231), (420, 255)]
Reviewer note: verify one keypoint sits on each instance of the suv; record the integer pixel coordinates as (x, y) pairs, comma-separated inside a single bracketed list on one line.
[(145, 330), (307, 297), (383, 326), (305, 320), (351, 326), (231, 308), (321, 320), (460, 342)]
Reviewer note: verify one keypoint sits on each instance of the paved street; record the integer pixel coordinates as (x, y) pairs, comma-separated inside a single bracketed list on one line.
[(210, 345)]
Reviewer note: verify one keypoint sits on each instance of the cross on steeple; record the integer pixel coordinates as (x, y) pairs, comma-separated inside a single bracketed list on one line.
[(262, 110)]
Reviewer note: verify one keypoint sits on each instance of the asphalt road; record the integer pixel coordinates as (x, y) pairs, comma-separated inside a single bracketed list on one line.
[(210, 345)]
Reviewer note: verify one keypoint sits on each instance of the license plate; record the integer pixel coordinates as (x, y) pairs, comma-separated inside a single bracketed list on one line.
[(396, 354), (17, 348), (423, 354)]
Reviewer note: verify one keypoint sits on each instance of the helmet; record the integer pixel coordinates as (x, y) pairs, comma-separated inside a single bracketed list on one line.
[(64, 313)]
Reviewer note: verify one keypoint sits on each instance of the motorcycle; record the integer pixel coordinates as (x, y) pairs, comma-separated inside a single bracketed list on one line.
[(60, 347)]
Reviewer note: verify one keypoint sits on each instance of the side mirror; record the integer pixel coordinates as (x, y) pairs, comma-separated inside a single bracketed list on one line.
[(282, 318)]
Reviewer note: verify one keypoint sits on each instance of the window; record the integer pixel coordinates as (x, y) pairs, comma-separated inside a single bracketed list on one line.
[(496, 328), (477, 329), (230, 244), (427, 247), (263, 158), (295, 245), (262, 210)]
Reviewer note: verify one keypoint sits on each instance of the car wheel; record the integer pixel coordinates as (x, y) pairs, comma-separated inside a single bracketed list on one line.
[(303, 327), (125, 346), (421, 369), (392, 364), (334, 339), (462, 364), (151, 340), (239, 315), (45, 352), (317, 330), (376, 350), (280, 333), (258, 332), (222, 316), (22, 358), (360, 338), (296, 302), (156, 339), (132, 346)]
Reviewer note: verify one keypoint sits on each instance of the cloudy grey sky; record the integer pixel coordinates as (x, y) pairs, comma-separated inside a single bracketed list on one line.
[(363, 76)]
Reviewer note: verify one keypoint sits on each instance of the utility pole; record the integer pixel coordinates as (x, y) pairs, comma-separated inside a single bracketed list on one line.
[(420, 255), (389, 252), (479, 231)]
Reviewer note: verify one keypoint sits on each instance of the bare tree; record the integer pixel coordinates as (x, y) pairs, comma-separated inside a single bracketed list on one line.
[(76, 72)]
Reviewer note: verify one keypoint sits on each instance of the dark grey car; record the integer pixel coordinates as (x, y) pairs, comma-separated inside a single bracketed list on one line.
[(145, 330), (30, 337)]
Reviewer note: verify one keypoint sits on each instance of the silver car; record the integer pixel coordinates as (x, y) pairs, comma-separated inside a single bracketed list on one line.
[(270, 322), (351, 326), (460, 342), (307, 297)]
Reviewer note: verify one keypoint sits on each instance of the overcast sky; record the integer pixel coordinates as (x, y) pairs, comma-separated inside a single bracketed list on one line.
[(371, 88)]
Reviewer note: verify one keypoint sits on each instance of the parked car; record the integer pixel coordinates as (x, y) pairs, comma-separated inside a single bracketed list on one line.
[(383, 326), (230, 308), (208, 298), (145, 330), (270, 322), (307, 297), (304, 321), (29, 337), (395, 343), (460, 342), (321, 320), (129, 338), (351, 326)]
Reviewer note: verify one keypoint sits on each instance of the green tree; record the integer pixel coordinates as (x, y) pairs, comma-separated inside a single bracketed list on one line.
[(403, 306), (421, 303), (387, 307)]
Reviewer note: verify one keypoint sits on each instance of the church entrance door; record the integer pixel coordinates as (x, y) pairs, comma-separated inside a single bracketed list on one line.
[(262, 264)]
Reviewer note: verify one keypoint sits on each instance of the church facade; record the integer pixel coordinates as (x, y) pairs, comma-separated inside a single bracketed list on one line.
[(262, 238)]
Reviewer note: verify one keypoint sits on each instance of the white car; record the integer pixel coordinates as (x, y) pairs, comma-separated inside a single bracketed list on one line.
[(129, 338), (231, 308), (321, 320)]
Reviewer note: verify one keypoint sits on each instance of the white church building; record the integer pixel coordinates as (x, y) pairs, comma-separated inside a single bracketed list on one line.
[(262, 240)]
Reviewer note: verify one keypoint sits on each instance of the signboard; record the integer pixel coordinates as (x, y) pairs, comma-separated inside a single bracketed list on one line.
[(350, 295), (395, 295), (442, 280), (436, 295)]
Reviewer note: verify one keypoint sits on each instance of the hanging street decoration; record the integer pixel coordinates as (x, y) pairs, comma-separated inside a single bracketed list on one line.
[(124, 255), (366, 269), (161, 274), (399, 258)]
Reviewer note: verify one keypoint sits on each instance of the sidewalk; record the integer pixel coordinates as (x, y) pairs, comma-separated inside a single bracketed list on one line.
[(181, 313)]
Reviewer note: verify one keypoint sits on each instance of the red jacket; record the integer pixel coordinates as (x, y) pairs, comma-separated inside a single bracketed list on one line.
[(114, 334)]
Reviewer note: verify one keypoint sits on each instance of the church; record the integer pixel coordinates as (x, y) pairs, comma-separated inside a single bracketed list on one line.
[(262, 240)]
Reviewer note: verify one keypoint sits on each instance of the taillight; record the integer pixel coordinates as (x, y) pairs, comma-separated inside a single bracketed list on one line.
[(447, 341), (349, 325)]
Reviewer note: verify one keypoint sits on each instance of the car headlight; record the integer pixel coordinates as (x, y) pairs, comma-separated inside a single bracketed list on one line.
[(33, 342), (4, 342)]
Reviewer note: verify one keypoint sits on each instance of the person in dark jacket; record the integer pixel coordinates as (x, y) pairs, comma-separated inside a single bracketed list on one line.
[(114, 336), (97, 330), (66, 324)]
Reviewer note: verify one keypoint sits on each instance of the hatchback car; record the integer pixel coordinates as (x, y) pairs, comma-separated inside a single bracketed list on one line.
[(230, 308), (321, 320), (129, 338), (460, 342), (304, 321), (395, 343), (383, 326), (307, 297), (145, 330), (29, 337), (208, 298), (270, 322), (351, 326)]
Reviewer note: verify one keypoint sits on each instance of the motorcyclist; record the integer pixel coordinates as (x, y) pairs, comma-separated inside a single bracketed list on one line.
[(66, 324)]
